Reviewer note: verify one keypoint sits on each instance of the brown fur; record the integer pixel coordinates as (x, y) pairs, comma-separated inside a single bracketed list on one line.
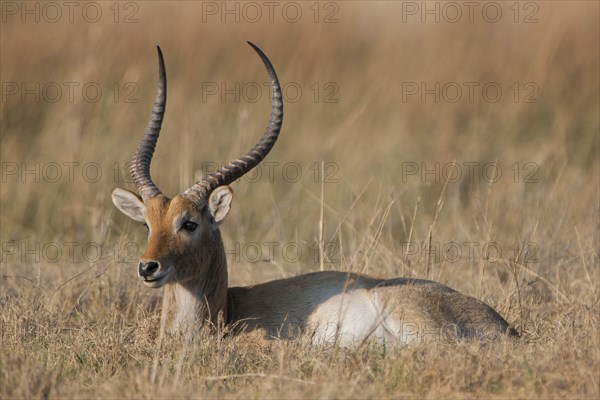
[(200, 268)]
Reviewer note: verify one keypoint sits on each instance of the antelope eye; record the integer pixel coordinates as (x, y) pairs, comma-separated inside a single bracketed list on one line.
[(190, 226), (146, 226)]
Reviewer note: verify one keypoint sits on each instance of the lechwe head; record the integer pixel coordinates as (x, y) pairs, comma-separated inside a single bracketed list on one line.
[(184, 243)]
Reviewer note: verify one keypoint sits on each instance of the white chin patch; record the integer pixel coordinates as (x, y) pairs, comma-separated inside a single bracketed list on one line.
[(156, 281)]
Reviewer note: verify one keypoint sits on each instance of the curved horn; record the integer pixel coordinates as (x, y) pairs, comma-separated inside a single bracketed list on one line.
[(233, 170), (140, 165)]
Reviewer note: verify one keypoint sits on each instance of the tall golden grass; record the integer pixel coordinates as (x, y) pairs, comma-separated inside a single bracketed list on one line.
[(77, 323)]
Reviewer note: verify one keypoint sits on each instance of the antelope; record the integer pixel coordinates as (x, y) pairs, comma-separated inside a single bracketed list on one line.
[(185, 255)]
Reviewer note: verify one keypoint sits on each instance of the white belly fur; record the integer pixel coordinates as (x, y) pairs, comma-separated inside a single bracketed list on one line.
[(350, 318)]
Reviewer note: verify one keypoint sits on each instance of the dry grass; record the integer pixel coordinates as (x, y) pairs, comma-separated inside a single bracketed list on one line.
[(77, 328)]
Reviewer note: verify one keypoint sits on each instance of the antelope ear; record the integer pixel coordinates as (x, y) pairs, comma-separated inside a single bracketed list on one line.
[(219, 203), (129, 204)]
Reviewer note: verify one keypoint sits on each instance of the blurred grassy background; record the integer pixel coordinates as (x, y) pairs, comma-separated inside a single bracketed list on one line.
[(366, 137)]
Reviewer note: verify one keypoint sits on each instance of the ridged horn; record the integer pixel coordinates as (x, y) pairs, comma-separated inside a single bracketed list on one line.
[(140, 165), (235, 169)]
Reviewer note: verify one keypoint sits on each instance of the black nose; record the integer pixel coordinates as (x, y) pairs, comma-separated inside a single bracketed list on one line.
[(146, 269)]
